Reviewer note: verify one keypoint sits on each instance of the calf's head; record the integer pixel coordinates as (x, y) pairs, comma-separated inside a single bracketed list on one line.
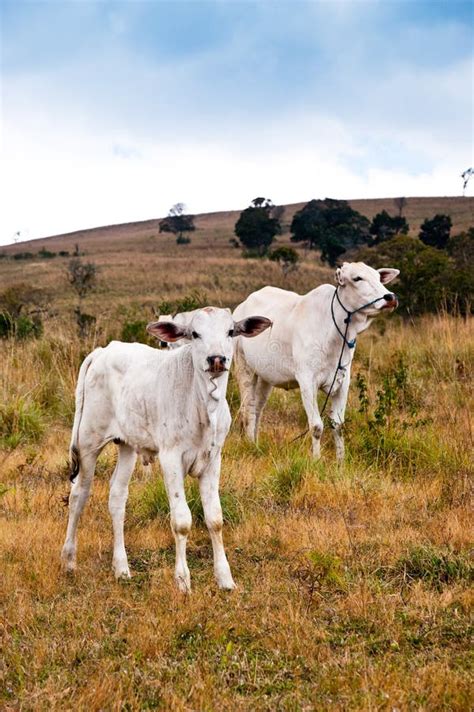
[(211, 332), (358, 284)]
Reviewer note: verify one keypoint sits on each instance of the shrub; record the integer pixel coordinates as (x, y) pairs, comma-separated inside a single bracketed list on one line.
[(286, 257), (23, 256), (135, 331), (21, 420), (384, 227), (46, 254), (427, 280), (435, 232), (193, 300)]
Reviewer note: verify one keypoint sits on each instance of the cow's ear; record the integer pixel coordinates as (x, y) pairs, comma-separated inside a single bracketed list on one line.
[(387, 274), (251, 326), (166, 331), (339, 277)]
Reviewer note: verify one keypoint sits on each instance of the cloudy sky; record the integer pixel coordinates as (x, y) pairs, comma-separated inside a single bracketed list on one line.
[(113, 111)]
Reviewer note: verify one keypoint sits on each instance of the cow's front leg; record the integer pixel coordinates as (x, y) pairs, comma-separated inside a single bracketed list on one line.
[(310, 404), (173, 475), (209, 489), (336, 414)]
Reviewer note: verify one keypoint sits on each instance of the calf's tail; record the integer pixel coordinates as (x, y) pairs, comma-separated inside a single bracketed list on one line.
[(74, 452)]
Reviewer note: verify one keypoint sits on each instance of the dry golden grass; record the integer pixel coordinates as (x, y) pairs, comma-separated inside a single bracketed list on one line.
[(354, 582)]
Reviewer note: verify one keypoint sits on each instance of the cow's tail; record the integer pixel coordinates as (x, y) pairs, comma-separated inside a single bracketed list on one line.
[(74, 452)]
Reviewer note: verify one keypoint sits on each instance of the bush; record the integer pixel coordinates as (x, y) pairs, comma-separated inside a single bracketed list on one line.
[(20, 421), (193, 300), (435, 232), (23, 256), (135, 331), (384, 227), (46, 254), (286, 257), (428, 280)]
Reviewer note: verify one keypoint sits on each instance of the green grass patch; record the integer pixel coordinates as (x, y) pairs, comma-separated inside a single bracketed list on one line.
[(150, 501)]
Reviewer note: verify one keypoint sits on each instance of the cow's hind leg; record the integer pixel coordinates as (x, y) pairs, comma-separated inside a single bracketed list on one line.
[(78, 497), (181, 520), (262, 394), (118, 495), (247, 381), (209, 489)]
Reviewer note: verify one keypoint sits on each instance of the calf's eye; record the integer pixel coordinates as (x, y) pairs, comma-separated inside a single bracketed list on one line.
[(358, 279), (195, 335), (231, 332)]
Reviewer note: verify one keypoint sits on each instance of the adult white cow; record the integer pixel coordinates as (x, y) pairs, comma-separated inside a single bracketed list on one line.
[(311, 344), (166, 403)]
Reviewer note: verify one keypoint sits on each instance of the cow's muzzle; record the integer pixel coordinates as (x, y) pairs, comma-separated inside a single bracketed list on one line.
[(217, 364), (391, 301)]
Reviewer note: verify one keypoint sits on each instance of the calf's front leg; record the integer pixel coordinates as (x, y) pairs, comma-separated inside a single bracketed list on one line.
[(117, 501), (209, 489), (181, 520)]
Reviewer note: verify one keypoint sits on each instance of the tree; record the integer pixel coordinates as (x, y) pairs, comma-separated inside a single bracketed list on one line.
[(384, 227), (256, 227), (331, 226), (400, 203), (436, 232), (286, 257), (82, 277), (177, 222), (466, 176)]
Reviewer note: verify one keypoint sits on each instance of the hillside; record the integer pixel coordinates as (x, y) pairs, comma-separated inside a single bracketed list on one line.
[(139, 267), (214, 229)]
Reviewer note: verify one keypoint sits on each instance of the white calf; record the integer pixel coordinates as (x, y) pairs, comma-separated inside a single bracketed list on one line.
[(170, 404)]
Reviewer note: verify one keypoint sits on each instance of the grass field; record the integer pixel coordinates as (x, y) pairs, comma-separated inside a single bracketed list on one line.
[(354, 581)]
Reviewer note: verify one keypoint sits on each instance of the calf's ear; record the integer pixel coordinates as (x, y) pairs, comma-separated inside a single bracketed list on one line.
[(166, 331), (251, 326), (387, 274)]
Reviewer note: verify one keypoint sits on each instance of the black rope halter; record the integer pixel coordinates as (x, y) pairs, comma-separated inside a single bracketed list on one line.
[(350, 344)]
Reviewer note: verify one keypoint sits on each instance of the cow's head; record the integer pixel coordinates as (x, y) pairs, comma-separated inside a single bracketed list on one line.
[(359, 284), (211, 332)]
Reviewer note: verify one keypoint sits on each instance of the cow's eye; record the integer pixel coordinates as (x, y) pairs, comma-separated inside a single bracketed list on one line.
[(231, 332), (195, 335), (358, 279)]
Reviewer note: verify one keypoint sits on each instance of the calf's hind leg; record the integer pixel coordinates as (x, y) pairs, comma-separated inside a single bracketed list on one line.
[(78, 497), (117, 501)]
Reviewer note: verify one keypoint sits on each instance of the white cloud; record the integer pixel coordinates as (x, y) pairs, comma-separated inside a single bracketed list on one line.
[(116, 137)]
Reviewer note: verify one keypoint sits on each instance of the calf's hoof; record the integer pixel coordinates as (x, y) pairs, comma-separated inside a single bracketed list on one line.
[(121, 571), (183, 583)]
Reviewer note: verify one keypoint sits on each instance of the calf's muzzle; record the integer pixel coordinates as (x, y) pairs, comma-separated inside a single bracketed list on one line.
[(216, 364)]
